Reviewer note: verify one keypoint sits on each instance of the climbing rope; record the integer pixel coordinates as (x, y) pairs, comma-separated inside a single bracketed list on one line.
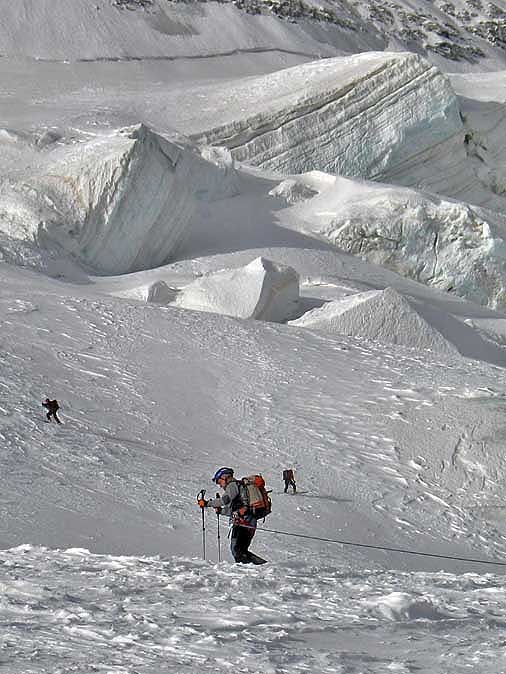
[(470, 560)]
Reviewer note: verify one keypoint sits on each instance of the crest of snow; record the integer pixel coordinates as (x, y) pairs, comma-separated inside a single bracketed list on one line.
[(118, 202), (360, 115), (262, 289), (382, 315), (302, 187), (293, 190)]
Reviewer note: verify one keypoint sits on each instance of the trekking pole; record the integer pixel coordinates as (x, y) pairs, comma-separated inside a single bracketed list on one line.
[(219, 537), (200, 497)]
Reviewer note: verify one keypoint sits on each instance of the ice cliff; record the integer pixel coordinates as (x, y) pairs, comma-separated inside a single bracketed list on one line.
[(118, 201), (361, 115), (439, 242)]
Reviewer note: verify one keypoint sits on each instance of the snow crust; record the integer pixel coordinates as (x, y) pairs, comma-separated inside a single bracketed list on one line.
[(263, 289), (101, 612)]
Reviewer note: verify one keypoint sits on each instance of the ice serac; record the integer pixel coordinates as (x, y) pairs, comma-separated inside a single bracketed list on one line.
[(118, 202), (439, 242), (381, 315), (360, 115), (263, 289)]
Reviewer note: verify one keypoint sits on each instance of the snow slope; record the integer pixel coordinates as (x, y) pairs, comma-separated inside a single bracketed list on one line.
[(391, 555), (457, 36), (391, 447)]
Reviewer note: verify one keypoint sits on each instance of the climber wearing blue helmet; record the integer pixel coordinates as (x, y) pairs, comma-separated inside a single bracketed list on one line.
[(242, 522)]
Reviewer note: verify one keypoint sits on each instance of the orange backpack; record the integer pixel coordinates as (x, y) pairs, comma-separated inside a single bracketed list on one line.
[(255, 496)]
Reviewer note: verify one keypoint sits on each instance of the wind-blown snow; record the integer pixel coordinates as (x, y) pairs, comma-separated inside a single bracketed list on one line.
[(395, 447), (75, 611)]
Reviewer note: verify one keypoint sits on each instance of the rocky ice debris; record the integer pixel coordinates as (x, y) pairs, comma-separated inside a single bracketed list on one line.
[(263, 289)]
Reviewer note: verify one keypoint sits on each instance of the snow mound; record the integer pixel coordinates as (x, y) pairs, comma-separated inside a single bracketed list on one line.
[(399, 606), (362, 115), (293, 190), (157, 292), (118, 201), (382, 315), (262, 289)]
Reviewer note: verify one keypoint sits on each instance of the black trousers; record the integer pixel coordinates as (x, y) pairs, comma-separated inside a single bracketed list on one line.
[(52, 414), (290, 483), (240, 540)]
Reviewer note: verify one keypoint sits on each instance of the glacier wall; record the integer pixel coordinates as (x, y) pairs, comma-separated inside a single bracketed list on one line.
[(442, 243), (118, 202), (361, 115)]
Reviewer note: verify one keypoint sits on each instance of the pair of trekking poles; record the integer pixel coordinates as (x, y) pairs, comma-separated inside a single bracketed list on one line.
[(200, 497)]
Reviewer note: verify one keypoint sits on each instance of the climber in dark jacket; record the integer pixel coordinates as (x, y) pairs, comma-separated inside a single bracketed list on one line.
[(52, 407), (289, 480)]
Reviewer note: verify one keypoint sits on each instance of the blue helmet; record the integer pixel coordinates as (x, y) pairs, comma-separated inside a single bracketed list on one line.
[(221, 472)]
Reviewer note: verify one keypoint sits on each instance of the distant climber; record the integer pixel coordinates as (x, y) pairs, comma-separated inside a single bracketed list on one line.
[(52, 408), (289, 480), (242, 520)]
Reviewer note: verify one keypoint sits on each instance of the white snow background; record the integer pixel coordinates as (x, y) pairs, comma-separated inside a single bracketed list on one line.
[(323, 288)]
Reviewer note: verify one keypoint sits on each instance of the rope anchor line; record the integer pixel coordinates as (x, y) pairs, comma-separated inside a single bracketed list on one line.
[(469, 560)]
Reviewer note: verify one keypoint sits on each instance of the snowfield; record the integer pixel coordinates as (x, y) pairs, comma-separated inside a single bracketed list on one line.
[(263, 236), (124, 614)]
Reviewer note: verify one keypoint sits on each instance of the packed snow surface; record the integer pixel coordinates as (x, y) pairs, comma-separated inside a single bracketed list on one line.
[(174, 614)]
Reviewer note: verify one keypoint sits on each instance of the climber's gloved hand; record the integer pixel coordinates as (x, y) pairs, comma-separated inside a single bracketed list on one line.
[(202, 502)]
